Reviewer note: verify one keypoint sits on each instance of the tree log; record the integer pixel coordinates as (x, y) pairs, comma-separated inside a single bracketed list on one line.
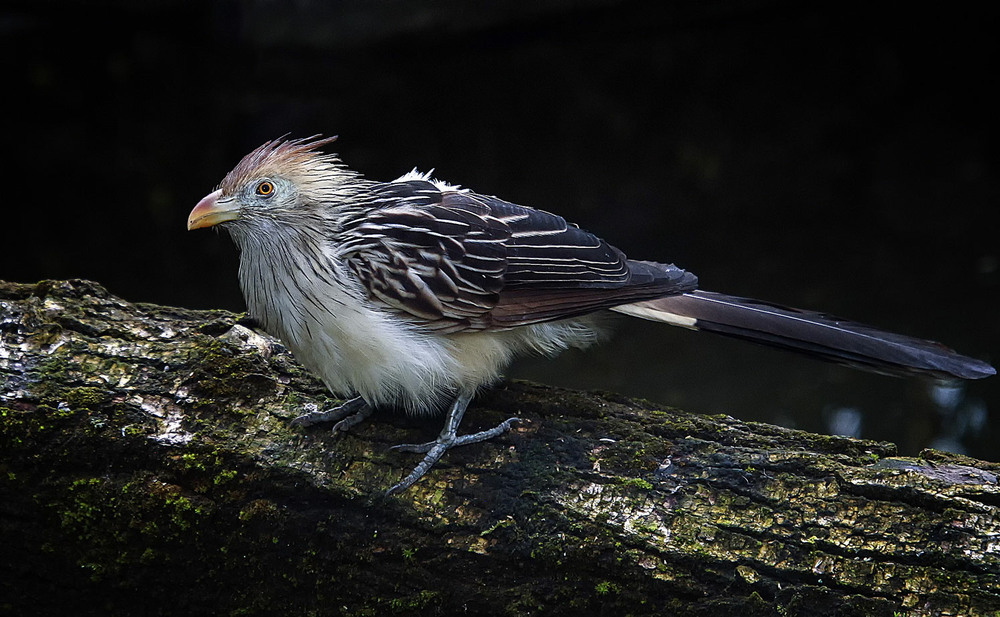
[(147, 466)]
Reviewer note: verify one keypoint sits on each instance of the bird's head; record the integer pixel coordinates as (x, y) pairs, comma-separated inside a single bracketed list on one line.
[(281, 181)]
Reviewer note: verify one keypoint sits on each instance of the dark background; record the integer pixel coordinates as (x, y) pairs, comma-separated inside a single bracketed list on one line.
[(826, 157)]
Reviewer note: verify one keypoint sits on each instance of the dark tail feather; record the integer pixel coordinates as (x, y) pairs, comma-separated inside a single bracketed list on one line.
[(827, 337)]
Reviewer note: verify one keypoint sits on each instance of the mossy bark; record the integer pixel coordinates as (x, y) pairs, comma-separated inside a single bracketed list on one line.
[(147, 467)]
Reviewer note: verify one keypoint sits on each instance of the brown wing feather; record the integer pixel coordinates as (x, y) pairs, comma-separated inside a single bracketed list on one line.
[(455, 261)]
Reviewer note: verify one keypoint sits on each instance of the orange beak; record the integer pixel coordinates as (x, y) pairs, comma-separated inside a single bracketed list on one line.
[(210, 211)]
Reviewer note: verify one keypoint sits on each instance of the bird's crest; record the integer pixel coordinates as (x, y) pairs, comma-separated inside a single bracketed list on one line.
[(279, 156)]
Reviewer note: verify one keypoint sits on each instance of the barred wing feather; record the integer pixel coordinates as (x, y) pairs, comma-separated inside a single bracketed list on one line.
[(455, 260)]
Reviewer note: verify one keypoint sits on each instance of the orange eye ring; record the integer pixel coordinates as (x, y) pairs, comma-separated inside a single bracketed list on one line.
[(265, 188)]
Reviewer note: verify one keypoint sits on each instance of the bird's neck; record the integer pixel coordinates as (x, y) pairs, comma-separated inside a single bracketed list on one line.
[(283, 271)]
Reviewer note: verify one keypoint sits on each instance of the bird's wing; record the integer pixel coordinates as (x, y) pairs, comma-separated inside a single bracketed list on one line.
[(454, 260)]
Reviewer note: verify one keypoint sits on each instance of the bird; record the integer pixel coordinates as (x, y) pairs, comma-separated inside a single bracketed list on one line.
[(415, 294)]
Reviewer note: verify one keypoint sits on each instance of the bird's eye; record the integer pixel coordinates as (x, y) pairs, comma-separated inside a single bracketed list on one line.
[(265, 188)]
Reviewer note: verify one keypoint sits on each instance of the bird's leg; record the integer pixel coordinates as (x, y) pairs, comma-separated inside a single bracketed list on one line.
[(447, 439), (346, 415)]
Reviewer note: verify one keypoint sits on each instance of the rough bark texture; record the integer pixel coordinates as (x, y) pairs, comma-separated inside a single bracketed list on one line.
[(147, 467)]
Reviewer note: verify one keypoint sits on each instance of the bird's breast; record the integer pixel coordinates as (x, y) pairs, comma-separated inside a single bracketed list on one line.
[(351, 344)]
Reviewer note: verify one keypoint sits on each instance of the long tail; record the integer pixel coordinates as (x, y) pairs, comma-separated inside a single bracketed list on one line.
[(816, 334)]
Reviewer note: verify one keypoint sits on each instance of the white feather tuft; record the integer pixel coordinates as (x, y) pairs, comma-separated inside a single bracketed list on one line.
[(441, 185)]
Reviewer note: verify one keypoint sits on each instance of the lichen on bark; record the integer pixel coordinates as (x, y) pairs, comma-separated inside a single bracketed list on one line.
[(147, 465)]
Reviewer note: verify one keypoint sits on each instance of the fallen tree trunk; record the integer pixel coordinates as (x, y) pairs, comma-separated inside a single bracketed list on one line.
[(147, 466)]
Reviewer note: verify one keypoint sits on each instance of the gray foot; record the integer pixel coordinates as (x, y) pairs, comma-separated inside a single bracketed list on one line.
[(446, 440), (346, 415)]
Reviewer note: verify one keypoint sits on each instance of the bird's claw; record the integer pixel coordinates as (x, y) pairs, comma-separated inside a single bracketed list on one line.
[(346, 415), (436, 449)]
